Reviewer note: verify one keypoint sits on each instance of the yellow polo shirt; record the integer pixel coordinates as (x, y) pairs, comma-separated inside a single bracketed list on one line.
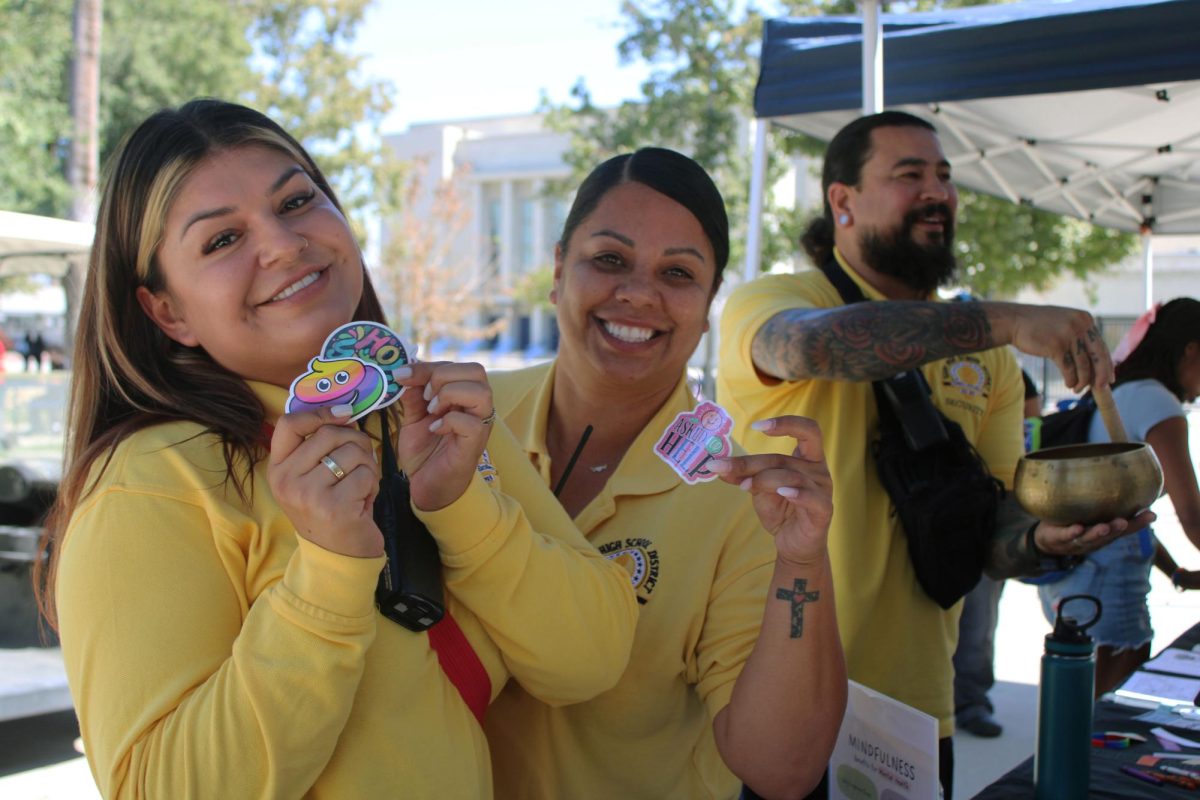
[(897, 640), (701, 564), (213, 652)]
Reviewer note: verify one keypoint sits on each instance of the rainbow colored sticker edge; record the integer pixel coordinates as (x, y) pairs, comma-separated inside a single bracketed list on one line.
[(695, 438), (331, 382), (371, 343)]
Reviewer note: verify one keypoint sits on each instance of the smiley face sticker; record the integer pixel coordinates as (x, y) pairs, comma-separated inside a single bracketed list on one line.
[(695, 438), (346, 381)]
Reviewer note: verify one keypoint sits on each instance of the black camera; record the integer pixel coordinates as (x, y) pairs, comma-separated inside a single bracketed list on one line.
[(409, 591)]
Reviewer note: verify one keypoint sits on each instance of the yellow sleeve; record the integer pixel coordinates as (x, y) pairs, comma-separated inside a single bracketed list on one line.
[(175, 680), (562, 615), (741, 389), (734, 614), (1002, 438)]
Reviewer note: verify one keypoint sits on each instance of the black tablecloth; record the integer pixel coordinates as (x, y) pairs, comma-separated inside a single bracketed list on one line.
[(1107, 780)]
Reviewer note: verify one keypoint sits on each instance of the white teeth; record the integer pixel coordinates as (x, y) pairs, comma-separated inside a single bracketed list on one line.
[(307, 280), (628, 334)]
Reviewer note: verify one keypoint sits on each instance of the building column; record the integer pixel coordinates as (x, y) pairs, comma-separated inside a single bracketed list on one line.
[(508, 338)]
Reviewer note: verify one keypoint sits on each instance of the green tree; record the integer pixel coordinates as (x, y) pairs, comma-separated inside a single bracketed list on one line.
[(35, 38), (703, 58), (289, 58)]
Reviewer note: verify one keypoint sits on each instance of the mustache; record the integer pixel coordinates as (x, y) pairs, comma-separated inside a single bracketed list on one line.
[(942, 209)]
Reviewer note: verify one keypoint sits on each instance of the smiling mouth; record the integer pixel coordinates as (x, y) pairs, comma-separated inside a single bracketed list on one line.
[(629, 333), (307, 280)]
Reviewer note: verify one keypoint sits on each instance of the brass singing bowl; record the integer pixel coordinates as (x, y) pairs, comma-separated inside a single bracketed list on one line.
[(1088, 483)]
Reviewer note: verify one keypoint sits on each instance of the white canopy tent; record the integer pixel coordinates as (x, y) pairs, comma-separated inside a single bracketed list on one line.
[(31, 244), (1088, 108)]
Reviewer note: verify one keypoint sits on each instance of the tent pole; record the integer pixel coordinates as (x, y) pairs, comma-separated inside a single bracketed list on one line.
[(1148, 268), (872, 58), (758, 171)]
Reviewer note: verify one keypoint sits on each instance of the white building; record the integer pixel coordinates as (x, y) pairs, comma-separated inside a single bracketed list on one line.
[(505, 166)]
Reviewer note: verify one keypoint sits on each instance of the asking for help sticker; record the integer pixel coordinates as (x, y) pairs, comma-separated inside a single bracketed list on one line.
[(695, 438)]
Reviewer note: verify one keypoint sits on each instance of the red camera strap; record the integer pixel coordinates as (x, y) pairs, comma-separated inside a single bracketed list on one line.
[(455, 655)]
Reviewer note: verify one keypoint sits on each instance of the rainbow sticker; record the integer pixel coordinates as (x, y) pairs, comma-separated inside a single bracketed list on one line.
[(344, 381)]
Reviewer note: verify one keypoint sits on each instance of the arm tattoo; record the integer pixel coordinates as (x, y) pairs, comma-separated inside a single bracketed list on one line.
[(868, 341), (798, 596)]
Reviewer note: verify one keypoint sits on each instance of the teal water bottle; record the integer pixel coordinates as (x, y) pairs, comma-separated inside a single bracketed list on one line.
[(1062, 760)]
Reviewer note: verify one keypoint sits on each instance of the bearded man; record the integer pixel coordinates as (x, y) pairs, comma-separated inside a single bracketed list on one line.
[(789, 345)]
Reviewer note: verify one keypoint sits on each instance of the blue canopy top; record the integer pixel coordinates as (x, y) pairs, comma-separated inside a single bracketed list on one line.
[(1089, 108), (815, 64)]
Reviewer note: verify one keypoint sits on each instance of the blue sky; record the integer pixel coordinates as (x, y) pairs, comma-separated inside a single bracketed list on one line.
[(466, 58)]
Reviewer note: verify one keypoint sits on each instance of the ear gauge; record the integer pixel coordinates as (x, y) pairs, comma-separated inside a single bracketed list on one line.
[(843, 219)]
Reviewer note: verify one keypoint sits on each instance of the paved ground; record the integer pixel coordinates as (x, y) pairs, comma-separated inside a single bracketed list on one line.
[(38, 762)]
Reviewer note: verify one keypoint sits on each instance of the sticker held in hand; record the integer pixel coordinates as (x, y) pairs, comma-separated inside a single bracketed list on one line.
[(371, 343), (346, 381), (354, 368), (693, 439)]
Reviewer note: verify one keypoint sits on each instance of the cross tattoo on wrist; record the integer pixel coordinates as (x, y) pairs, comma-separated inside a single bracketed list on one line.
[(799, 596)]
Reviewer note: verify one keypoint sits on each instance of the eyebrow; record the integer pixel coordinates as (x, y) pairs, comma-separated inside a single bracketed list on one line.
[(913, 161), (218, 212), (670, 251)]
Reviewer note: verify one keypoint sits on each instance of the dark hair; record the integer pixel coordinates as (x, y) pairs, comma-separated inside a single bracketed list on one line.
[(128, 374), (1157, 356), (666, 172), (849, 149)]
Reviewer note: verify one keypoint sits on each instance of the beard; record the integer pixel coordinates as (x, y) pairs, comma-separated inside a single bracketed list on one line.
[(920, 267)]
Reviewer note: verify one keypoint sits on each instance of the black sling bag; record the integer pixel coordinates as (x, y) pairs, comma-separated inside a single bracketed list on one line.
[(939, 486)]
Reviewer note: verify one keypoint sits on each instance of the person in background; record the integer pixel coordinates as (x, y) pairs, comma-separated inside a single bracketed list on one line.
[(790, 345), (214, 560), (1158, 370), (737, 673), (975, 656)]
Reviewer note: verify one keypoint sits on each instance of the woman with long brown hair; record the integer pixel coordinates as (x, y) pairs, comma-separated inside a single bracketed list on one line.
[(214, 561)]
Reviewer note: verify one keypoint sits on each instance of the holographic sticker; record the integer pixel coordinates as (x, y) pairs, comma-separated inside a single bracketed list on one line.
[(695, 438), (344, 381), (371, 343)]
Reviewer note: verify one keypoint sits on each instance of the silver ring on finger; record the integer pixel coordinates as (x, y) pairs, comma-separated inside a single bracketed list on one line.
[(333, 467), (490, 418)]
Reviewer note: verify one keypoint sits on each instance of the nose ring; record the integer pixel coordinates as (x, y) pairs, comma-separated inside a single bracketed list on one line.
[(305, 246)]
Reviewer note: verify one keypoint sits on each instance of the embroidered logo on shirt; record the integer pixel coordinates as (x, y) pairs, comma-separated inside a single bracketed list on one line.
[(639, 558), (968, 375)]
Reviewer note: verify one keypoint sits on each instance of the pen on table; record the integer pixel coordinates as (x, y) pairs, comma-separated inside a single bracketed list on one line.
[(1140, 775), (1153, 763), (1175, 780)]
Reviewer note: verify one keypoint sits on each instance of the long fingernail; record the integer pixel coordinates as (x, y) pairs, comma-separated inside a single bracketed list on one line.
[(437, 423), (788, 491), (763, 425), (433, 404), (428, 391), (719, 466), (342, 410), (400, 373), (745, 485)]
